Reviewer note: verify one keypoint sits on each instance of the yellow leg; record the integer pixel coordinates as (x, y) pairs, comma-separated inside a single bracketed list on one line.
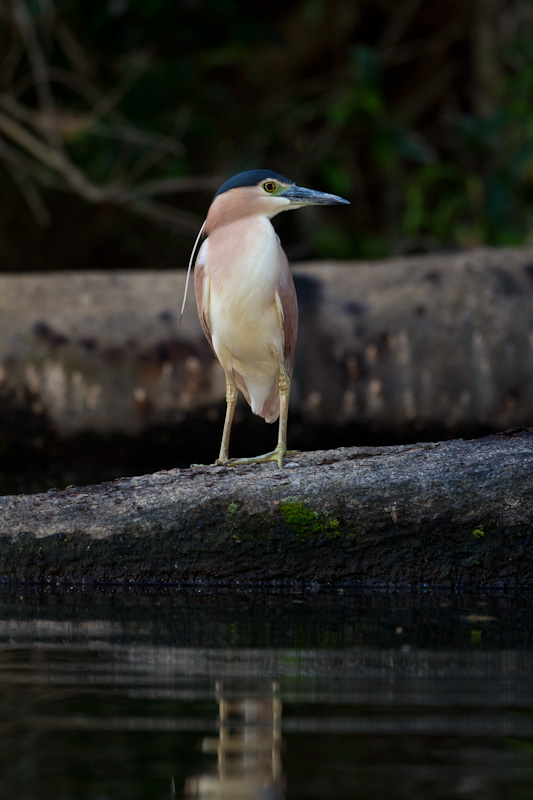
[(281, 448), (231, 402)]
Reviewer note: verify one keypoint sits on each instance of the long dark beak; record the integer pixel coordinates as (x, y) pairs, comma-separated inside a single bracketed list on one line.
[(299, 196)]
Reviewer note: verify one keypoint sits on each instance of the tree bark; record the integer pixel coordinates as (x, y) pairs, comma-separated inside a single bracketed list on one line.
[(446, 513)]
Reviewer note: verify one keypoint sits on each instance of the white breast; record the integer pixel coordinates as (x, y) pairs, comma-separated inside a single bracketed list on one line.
[(244, 263)]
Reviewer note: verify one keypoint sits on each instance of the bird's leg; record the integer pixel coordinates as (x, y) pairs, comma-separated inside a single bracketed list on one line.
[(284, 392), (231, 402), (281, 451)]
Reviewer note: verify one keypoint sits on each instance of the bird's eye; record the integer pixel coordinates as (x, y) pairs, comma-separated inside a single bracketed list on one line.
[(269, 187)]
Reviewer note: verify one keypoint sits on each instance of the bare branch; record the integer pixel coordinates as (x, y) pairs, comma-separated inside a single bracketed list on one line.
[(72, 48), (165, 145), (39, 66), (77, 182), (28, 189), (69, 122), (39, 155), (51, 157), (10, 61)]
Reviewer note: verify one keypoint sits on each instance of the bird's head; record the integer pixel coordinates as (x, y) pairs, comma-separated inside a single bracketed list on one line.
[(265, 192)]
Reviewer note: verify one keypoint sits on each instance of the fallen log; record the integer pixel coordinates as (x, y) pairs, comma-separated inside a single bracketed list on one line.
[(445, 513), (433, 346)]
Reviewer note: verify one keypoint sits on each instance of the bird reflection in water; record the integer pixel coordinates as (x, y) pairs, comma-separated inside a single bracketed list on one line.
[(248, 749)]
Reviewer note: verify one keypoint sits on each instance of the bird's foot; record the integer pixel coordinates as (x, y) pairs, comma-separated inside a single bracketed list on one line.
[(276, 455)]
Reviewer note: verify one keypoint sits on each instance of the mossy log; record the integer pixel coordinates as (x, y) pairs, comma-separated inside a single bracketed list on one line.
[(446, 513)]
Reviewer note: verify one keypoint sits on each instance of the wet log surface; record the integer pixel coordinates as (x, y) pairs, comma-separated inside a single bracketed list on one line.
[(445, 514)]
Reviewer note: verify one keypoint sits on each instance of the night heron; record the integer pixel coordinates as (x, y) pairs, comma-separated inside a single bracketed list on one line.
[(246, 298)]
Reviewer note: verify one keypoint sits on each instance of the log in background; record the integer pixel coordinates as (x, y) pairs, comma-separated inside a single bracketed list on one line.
[(438, 343)]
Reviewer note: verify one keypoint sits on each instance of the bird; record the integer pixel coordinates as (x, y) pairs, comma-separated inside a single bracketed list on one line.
[(246, 298)]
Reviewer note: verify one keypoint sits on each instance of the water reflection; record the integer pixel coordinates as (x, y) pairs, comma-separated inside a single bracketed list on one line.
[(110, 696), (247, 748)]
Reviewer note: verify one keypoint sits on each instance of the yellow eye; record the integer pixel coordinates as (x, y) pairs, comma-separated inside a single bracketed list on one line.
[(269, 187)]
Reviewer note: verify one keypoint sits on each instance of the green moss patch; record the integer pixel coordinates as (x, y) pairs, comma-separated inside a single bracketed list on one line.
[(305, 521)]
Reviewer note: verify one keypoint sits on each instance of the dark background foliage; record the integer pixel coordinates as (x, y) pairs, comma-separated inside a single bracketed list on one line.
[(119, 119)]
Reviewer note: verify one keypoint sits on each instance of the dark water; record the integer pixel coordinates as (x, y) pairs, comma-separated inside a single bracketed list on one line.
[(117, 694)]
